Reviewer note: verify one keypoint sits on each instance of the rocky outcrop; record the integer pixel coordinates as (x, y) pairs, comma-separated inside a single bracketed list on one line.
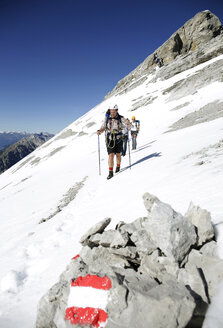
[(163, 268), (198, 40), (17, 151)]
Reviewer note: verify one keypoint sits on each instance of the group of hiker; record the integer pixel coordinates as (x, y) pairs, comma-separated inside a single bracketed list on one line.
[(117, 130)]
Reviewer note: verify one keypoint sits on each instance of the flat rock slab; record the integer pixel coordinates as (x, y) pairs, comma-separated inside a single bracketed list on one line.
[(97, 228)]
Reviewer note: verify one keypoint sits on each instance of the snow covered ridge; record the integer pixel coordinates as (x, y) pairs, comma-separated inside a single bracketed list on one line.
[(158, 271)]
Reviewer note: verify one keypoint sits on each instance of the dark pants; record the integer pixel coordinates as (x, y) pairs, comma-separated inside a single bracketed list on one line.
[(125, 140), (114, 146), (134, 136)]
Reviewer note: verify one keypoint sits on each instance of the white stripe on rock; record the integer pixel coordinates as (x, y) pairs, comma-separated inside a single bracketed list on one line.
[(87, 297)]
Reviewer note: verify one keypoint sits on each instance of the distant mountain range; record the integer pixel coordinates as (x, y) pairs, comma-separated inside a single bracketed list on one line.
[(8, 138), (16, 151)]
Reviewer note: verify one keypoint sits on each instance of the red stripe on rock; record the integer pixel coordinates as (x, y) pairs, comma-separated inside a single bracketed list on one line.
[(92, 281), (86, 316), (75, 257)]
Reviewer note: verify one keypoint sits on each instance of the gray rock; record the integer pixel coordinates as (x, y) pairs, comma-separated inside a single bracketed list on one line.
[(117, 301), (52, 306), (101, 261), (113, 238), (191, 277), (138, 281), (47, 307), (128, 252), (131, 227), (75, 268), (202, 220), (169, 230), (143, 242), (98, 227), (86, 254), (150, 200), (159, 267), (95, 239), (210, 249), (148, 287), (164, 306), (210, 269), (214, 315)]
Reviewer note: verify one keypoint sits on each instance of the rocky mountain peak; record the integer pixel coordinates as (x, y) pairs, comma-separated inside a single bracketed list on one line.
[(192, 40)]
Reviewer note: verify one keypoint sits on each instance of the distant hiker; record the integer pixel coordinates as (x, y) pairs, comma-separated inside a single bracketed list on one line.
[(157, 60), (125, 136), (135, 127), (113, 125)]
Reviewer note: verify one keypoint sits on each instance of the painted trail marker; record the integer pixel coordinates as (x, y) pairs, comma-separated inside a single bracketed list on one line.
[(87, 301)]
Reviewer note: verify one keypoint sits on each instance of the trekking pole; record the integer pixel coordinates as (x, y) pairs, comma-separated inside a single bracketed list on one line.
[(99, 155), (129, 148)]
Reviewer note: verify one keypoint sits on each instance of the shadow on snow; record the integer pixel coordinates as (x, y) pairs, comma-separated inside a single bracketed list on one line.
[(144, 146), (141, 160)]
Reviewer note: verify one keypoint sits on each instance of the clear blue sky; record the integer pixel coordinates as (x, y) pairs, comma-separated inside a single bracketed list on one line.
[(59, 58)]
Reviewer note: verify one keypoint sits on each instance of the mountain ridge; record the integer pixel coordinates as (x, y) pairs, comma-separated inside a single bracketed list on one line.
[(14, 153), (189, 42)]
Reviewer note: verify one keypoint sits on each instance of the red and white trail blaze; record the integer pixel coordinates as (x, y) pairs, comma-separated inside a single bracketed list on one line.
[(87, 301)]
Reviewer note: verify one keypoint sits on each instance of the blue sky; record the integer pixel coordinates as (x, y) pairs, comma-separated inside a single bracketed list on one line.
[(59, 58)]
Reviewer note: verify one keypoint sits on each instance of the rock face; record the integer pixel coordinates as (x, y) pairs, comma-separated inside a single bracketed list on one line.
[(17, 151), (160, 274), (169, 230), (202, 220), (197, 41)]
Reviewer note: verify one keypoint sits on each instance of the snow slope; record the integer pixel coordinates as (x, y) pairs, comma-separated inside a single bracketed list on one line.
[(59, 185)]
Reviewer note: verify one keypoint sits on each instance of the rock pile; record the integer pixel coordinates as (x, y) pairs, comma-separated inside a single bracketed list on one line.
[(164, 270)]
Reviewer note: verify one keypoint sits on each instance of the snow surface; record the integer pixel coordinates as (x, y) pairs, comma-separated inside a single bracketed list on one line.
[(32, 255)]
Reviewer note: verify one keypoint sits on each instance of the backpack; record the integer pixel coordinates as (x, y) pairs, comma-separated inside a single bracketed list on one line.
[(119, 118)]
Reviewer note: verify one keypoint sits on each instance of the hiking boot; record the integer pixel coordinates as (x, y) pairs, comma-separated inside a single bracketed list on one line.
[(117, 169), (110, 175)]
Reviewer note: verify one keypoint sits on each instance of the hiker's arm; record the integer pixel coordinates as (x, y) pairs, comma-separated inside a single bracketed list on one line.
[(123, 123), (102, 128)]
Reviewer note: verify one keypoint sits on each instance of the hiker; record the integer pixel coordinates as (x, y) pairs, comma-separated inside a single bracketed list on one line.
[(135, 127), (125, 137), (113, 125), (157, 60)]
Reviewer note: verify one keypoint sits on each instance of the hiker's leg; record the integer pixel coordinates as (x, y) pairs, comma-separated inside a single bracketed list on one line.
[(133, 142), (118, 159), (111, 160)]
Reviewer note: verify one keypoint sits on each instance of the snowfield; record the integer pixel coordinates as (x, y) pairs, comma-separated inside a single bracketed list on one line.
[(59, 185)]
